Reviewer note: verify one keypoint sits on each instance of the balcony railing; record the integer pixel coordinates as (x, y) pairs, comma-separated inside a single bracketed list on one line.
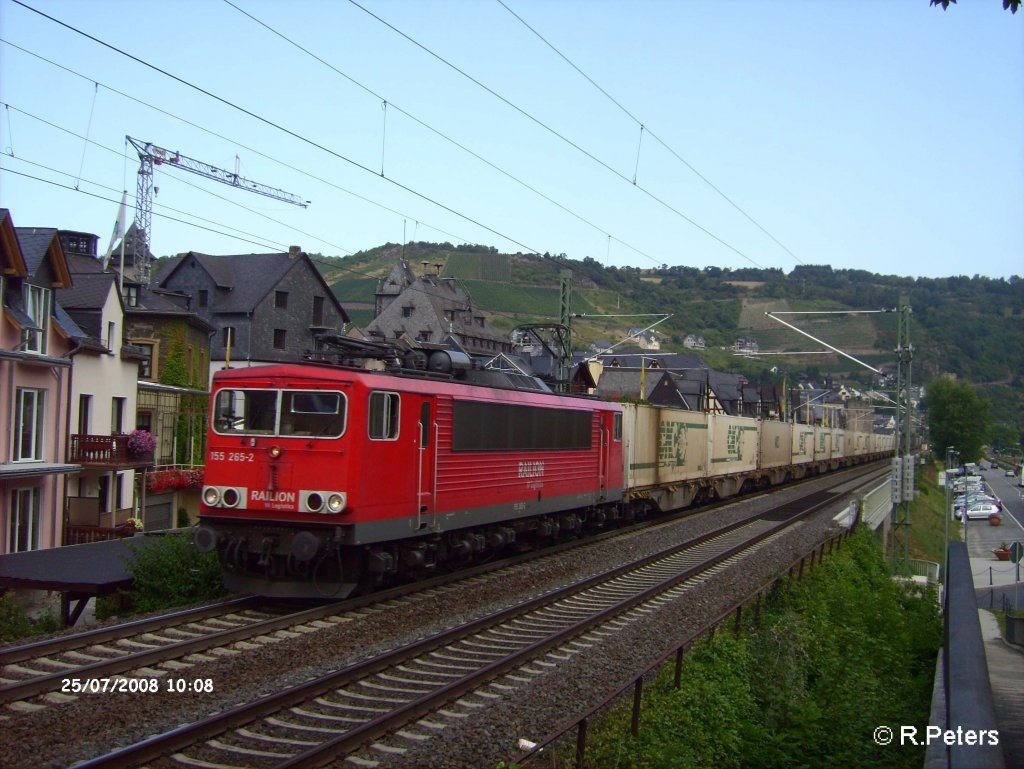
[(105, 451)]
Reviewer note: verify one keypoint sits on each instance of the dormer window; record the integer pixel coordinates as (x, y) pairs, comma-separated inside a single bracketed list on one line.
[(37, 307), (131, 296)]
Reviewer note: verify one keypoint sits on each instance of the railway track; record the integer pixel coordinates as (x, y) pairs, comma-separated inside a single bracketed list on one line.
[(377, 709), (137, 648), (37, 668)]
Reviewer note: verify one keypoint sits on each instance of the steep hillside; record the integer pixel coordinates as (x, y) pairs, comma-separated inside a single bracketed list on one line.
[(968, 326)]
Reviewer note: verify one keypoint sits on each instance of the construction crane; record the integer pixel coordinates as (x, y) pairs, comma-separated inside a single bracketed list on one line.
[(151, 155)]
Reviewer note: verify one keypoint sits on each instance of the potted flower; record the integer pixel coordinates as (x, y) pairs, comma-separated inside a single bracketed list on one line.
[(1002, 553), (995, 519), (129, 526), (141, 444), (175, 478)]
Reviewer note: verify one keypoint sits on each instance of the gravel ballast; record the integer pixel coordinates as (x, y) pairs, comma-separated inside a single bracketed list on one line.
[(62, 733)]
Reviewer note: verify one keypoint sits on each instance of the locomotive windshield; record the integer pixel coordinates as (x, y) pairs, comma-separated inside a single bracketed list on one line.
[(313, 413)]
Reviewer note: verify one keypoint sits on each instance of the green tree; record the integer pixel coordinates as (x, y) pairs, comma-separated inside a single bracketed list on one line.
[(958, 417)]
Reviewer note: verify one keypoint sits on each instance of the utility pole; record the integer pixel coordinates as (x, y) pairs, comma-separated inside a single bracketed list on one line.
[(904, 465), (565, 321), (149, 156)]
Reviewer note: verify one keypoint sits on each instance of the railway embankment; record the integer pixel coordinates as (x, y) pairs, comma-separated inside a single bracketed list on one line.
[(837, 655)]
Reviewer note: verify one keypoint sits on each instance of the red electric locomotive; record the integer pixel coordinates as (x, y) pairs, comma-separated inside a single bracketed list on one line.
[(321, 480)]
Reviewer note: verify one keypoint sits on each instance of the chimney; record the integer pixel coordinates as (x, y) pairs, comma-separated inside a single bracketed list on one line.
[(294, 250)]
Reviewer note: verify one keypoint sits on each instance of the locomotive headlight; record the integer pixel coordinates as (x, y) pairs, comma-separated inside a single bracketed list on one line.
[(324, 502), (275, 452), (230, 497), (211, 496)]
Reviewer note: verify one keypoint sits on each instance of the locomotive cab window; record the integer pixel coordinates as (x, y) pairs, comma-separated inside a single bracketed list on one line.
[(383, 416), (617, 426), (245, 412), (312, 413)]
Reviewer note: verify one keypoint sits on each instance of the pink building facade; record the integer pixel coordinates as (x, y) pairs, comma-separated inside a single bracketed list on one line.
[(35, 382)]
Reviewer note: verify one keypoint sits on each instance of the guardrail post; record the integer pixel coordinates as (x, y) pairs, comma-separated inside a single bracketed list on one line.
[(581, 743), (638, 690)]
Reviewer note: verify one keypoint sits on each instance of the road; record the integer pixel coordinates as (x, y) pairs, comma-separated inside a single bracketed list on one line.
[(982, 538)]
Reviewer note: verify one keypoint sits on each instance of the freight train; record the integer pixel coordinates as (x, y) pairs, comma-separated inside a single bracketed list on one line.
[(322, 480)]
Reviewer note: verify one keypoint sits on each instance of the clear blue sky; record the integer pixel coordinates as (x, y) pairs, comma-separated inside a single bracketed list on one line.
[(886, 136)]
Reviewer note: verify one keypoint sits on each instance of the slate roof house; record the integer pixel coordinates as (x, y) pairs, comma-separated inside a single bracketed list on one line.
[(432, 309), (103, 394), (659, 387), (263, 308), (35, 372)]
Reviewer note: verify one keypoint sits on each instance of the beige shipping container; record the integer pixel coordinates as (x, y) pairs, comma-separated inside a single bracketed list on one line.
[(839, 444), (822, 443), (662, 445), (734, 442), (803, 444), (776, 444)]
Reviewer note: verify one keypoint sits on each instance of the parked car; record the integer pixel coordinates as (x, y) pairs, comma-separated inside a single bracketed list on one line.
[(980, 510), (967, 500), (1010, 473)]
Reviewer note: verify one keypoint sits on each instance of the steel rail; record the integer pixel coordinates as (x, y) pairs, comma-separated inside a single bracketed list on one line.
[(21, 690), (185, 736), (44, 648)]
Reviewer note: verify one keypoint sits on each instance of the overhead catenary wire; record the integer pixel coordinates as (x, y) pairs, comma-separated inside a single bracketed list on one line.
[(654, 136), (437, 132), (277, 126), (537, 121), (233, 141), (182, 181), (116, 201)]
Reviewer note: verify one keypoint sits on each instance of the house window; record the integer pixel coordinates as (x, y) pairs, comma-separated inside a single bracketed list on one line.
[(37, 306), (23, 533), (407, 312), (204, 298), (28, 419), (280, 338), (146, 364), (144, 421), (116, 415), (318, 310), (281, 300), (111, 334), (84, 409), (119, 491), (131, 296), (384, 411)]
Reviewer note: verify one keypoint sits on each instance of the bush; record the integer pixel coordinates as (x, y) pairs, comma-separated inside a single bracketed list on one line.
[(170, 572), (837, 654), (15, 622)]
